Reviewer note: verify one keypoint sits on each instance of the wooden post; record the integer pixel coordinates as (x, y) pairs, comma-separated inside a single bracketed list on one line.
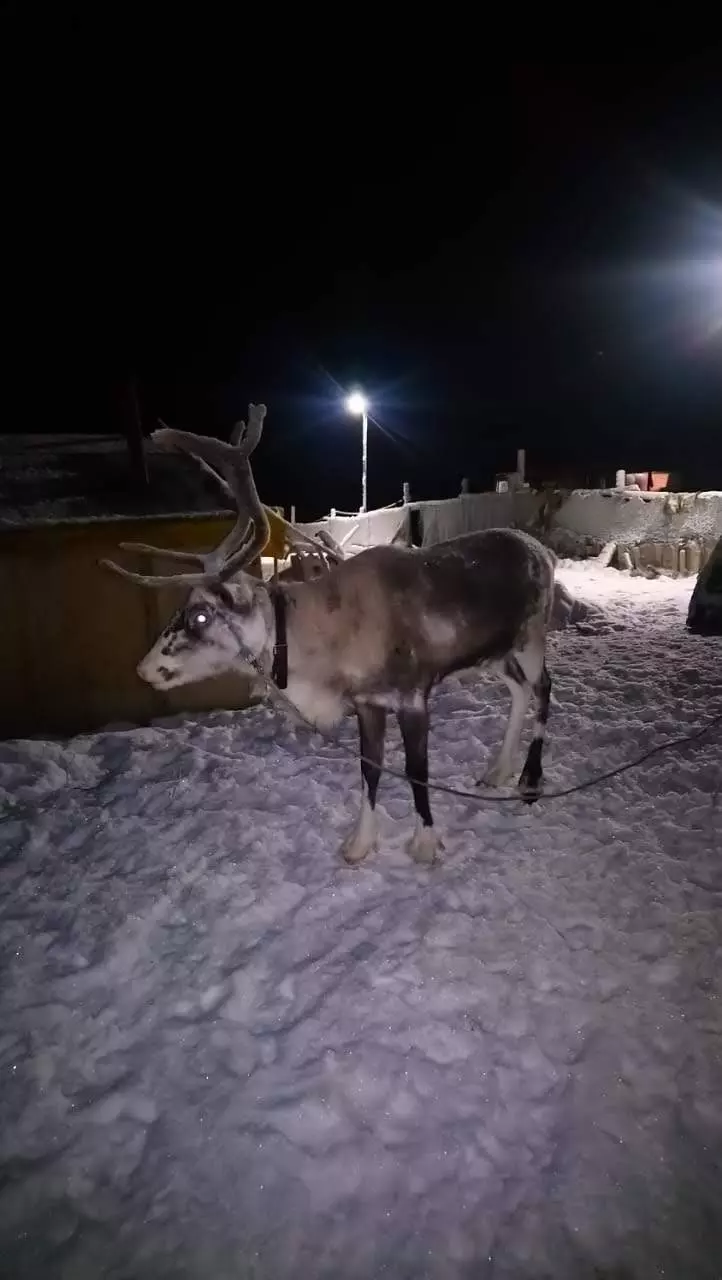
[(133, 427), (693, 557), (465, 484), (293, 513), (521, 465), (407, 493)]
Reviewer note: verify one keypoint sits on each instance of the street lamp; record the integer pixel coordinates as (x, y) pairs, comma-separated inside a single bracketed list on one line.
[(357, 405)]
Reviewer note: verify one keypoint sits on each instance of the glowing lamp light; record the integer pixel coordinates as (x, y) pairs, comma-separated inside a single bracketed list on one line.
[(357, 403)]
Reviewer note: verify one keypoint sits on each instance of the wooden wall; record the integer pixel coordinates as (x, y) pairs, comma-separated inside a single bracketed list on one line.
[(72, 632)]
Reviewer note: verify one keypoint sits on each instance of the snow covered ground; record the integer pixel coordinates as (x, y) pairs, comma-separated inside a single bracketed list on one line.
[(223, 1054)]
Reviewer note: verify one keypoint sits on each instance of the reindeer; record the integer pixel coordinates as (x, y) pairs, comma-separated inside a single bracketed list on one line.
[(309, 558), (373, 634)]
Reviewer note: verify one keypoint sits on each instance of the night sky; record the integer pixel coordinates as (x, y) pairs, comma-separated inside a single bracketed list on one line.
[(529, 254)]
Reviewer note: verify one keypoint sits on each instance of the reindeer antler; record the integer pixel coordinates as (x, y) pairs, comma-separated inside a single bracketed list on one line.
[(234, 472), (231, 470)]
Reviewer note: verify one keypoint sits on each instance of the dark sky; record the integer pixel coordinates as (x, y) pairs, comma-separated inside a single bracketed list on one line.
[(500, 253)]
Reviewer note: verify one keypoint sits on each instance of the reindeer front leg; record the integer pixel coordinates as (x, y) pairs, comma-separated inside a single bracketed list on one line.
[(372, 731), (414, 724)]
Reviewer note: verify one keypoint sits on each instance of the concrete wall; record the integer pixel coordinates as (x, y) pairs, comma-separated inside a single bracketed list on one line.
[(587, 519)]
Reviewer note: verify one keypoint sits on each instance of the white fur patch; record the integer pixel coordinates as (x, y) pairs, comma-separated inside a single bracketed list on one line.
[(255, 633), (440, 631), (392, 700), (166, 671), (424, 844), (499, 774), (315, 702), (359, 842)]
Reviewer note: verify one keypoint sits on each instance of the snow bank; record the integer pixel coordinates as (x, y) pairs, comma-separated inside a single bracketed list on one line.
[(223, 1054)]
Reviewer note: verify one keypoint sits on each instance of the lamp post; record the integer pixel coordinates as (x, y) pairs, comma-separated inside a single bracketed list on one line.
[(357, 405)]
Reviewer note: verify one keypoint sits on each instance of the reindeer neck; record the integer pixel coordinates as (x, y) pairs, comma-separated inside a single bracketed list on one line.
[(279, 664)]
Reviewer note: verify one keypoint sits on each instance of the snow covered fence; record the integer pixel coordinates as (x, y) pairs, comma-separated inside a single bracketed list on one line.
[(472, 511), (370, 529), (675, 531), (581, 522)]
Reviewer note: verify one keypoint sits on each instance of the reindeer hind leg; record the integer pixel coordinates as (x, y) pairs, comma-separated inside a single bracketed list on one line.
[(414, 725), (512, 670), (530, 782)]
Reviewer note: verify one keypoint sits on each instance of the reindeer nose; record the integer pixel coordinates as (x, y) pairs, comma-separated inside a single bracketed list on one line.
[(153, 673)]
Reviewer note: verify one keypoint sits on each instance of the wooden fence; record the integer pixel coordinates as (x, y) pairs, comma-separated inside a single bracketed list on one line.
[(72, 633)]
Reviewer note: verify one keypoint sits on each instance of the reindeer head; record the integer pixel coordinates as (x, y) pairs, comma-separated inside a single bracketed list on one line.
[(228, 615), (217, 629)]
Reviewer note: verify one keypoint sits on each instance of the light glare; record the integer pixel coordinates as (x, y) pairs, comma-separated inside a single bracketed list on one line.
[(356, 403)]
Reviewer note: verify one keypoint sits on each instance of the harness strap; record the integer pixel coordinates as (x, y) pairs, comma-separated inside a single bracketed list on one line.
[(279, 670)]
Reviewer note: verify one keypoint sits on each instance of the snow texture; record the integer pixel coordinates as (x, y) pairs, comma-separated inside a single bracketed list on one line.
[(47, 479), (223, 1054)]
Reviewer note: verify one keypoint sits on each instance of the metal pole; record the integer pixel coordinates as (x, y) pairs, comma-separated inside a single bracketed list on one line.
[(364, 460)]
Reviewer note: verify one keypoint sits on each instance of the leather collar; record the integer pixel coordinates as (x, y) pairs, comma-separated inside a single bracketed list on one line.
[(279, 670)]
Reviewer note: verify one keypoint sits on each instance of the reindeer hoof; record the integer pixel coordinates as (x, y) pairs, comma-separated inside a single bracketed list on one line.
[(529, 790), (362, 838), (497, 776), (354, 850), (424, 846)]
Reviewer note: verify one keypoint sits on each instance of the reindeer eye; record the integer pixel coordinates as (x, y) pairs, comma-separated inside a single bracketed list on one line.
[(197, 619)]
